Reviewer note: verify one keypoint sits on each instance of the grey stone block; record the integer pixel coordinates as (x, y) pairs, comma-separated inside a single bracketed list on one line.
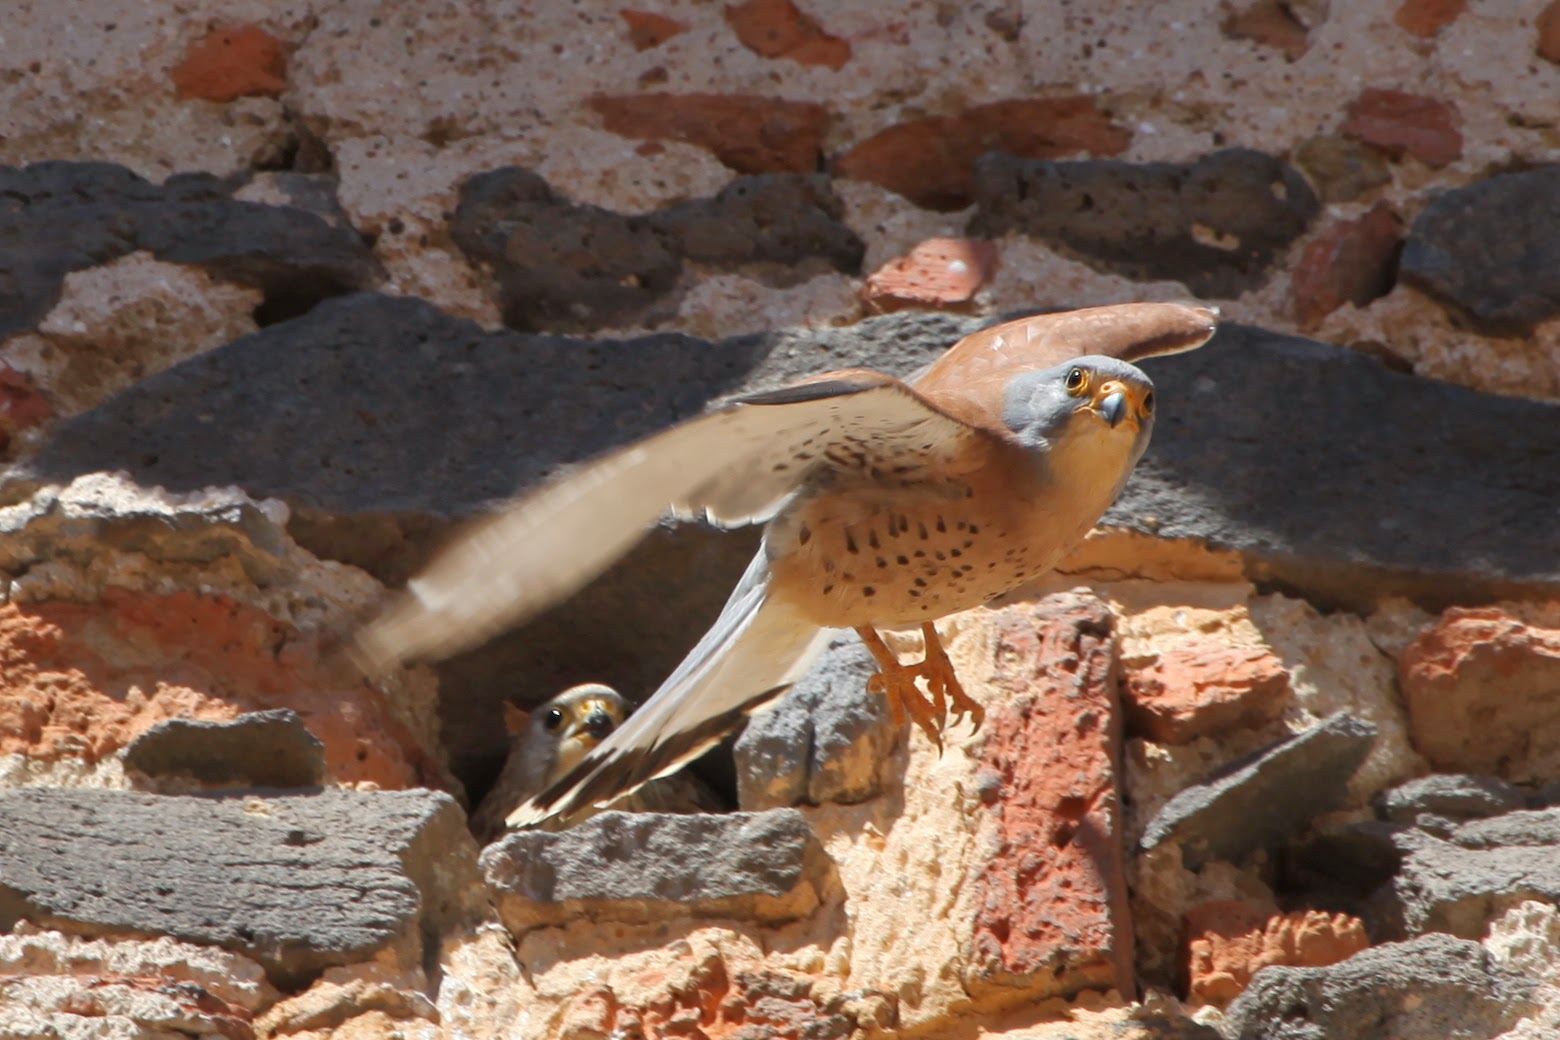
[(1152, 220), (1260, 801), (638, 867), (824, 742), (1491, 249), (1450, 796), (259, 749), (299, 882), (1433, 988)]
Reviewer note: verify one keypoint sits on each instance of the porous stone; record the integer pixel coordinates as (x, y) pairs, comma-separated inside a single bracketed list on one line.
[(226, 871), (1402, 124), (637, 867), (230, 63), (1257, 804), (1482, 688), (1215, 224), (1341, 170), (749, 133), (1227, 942), (1052, 913), (1507, 282), (824, 742), (780, 29), (1433, 986), (1204, 688), (1350, 261), (257, 749), (1450, 796), (939, 272)]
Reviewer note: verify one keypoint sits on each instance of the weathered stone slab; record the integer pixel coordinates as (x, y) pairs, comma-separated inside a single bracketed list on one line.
[(298, 883), (1428, 989), (257, 749), (1258, 802), (636, 867)]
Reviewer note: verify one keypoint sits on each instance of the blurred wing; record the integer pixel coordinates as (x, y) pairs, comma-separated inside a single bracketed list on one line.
[(731, 467)]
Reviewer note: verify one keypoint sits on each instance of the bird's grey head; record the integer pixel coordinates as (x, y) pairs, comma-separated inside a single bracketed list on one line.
[(562, 730), (1107, 393)]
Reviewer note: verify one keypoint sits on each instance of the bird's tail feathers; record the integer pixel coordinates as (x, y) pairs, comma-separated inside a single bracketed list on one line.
[(755, 650)]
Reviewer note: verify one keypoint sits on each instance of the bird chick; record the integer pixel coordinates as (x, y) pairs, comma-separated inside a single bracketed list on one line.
[(552, 740)]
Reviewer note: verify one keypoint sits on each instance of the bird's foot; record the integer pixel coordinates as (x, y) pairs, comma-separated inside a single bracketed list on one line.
[(898, 683)]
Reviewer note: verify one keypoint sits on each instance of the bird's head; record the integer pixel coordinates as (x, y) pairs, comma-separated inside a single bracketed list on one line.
[(566, 727), (1101, 400)]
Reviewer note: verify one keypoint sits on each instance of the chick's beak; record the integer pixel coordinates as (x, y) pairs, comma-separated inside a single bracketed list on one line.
[(598, 723)]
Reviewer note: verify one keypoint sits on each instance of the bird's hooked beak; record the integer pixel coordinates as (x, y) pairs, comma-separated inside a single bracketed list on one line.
[(1116, 402), (597, 722)]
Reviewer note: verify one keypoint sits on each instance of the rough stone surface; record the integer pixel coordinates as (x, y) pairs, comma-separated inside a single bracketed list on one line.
[(1257, 804), (1350, 261), (1230, 468), (1488, 867), (1204, 688), (229, 872), (1215, 224), (1434, 986), (1449, 796), (231, 63), (1342, 170), (1228, 942), (1052, 913), (1506, 282), (635, 867), (824, 742), (940, 272), (1402, 124), (64, 216), (932, 161), (257, 749), (780, 29), (1482, 689)]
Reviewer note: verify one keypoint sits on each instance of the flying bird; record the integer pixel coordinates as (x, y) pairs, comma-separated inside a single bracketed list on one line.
[(551, 740), (887, 503)]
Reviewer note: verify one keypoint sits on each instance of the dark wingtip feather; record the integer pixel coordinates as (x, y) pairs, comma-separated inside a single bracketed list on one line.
[(595, 782)]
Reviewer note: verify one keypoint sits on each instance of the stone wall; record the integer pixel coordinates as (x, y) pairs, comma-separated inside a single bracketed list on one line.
[(289, 290)]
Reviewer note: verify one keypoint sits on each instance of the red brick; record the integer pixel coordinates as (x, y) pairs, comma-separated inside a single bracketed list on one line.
[(1428, 17), (1226, 942), (748, 133), (22, 405), (647, 29), (225, 64), (82, 680), (940, 273), (931, 162), (1548, 46), (1350, 261), (1052, 915), (1271, 24), (779, 29), (1204, 688), (1482, 689), (1405, 124)]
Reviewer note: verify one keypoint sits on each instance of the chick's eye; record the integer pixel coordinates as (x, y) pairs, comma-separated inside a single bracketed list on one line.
[(553, 719), (1077, 381), (1148, 403)]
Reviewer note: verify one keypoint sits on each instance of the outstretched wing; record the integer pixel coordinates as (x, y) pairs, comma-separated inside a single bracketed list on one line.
[(732, 467)]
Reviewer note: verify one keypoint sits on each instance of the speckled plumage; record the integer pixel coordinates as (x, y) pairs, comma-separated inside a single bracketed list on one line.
[(887, 503)]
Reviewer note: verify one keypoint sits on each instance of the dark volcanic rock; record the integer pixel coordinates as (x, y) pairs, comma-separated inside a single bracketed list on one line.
[(824, 741), (260, 749), (1344, 481), (299, 883), (1492, 249), (650, 866), (561, 265), (1449, 797), (1259, 802), (1215, 224), (1433, 987), (59, 217)]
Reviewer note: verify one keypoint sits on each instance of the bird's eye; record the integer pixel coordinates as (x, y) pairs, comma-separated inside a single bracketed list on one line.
[(1148, 403), (553, 719), (1077, 381)]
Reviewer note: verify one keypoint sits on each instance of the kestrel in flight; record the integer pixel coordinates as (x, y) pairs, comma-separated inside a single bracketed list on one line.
[(887, 503)]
